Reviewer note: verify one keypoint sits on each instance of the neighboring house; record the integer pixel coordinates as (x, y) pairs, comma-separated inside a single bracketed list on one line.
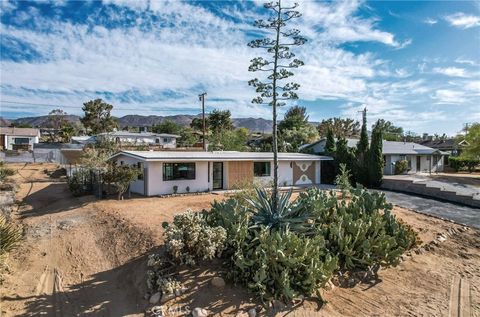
[(164, 140), (450, 146), (420, 158), (83, 139), (12, 138), (161, 171)]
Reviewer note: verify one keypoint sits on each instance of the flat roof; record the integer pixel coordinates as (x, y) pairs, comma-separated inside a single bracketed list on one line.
[(19, 131), (138, 134), (219, 156)]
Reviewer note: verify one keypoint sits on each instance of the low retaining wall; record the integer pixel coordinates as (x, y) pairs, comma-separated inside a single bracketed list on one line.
[(408, 186)]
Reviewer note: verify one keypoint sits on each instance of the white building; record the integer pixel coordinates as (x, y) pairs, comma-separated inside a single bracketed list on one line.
[(165, 172), (420, 158), (12, 138), (164, 140)]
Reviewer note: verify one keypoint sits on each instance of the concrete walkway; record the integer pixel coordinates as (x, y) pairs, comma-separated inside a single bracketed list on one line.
[(460, 214)]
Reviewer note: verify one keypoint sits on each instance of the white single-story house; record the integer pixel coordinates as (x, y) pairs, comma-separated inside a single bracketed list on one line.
[(162, 171), (420, 158), (141, 138), (12, 138)]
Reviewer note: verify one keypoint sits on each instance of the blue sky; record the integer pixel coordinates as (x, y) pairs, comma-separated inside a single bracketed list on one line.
[(415, 63)]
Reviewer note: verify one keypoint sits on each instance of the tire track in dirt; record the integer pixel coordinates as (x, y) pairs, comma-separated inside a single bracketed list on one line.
[(460, 298)]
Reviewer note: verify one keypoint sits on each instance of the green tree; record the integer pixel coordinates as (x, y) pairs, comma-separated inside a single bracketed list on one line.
[(220, 120), (345, 128), (167, 126), (230, 140), (376, 156), (197, 124), (187, 138), (276, 68), (56, 120), (362, 158), (294, 137), (121, 176), (67, 131), (345, 155), (472, 151), (295, 117), (389, 131), (97, 117), (330, 142)]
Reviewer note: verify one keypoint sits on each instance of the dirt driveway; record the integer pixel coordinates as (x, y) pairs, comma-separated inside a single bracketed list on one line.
[(82, 257)]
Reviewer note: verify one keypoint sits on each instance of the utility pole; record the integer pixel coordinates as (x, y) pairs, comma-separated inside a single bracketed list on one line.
[(201, 97)]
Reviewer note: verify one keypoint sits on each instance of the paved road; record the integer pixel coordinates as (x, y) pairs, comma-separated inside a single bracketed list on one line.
[(464, 215)]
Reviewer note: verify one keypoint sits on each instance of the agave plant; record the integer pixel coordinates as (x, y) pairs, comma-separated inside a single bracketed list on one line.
[(289, 215)]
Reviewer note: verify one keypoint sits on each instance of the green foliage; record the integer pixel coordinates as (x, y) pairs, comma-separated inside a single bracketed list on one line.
[(167, 126), (97, 118), (472, 151), (461, 163), (283, 265), (121, 176), (80, 182), (5, 171), (10, 236), (229, 140), (341, 128), (389, 131), (293, 138), (362, 232), (220, 121), (330, 142), (343, 178), (345, 155), (197, 124), (375, 164), (401, 167), (187, 138), (190, 238), (295, 117), (287, 215)]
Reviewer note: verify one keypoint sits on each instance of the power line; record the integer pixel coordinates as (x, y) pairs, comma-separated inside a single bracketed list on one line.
[(76, 107)]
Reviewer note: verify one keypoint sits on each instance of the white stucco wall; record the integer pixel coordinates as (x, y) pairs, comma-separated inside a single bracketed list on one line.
[(157, 186), (285, 175), (10, 140), (425, 167)]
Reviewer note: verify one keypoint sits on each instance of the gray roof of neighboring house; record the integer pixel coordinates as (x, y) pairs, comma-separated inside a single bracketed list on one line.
[(127, 134), (218, 156), (394, 147), (19, 131)]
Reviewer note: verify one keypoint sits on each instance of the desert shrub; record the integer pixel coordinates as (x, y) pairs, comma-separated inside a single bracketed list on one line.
[(10, 236), (460, 163), (190, 238), (401, 167), (342, 180), (362, 232), (5, 171), (281, 264), (80, 182)]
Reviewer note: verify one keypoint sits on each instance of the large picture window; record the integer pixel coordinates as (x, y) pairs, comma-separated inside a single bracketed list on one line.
[(21, 140), (178, 171), (261, 169)]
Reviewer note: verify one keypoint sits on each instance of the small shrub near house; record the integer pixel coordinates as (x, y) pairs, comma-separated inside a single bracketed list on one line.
[(189, 238), (5, 171), (401, 167)]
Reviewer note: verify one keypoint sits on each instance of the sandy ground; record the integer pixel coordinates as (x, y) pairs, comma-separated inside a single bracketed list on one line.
[(82, 257)]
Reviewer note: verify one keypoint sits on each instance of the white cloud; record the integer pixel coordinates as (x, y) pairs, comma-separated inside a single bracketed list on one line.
[(462, 20), (448, 96), (430, 21), (451, 71)]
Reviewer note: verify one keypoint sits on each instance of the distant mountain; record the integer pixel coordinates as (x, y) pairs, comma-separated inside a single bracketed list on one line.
[(42, 121), (4, 122), (252, 124)]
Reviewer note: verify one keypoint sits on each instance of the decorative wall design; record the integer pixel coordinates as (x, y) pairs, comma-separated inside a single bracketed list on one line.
[(303, 172)]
